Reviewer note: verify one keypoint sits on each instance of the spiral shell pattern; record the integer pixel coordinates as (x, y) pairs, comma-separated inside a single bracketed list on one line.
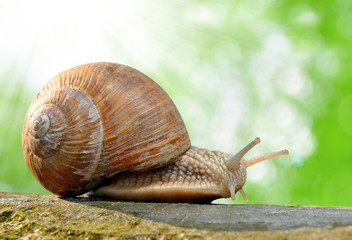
[(92, 121)]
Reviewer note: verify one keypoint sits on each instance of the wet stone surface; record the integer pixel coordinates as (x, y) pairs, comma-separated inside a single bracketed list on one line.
[(33, 216)]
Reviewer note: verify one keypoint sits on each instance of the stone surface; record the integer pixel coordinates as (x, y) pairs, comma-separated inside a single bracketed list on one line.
[(32, 216)]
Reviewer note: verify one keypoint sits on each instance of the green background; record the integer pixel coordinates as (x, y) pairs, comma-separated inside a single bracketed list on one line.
[(280, 70)]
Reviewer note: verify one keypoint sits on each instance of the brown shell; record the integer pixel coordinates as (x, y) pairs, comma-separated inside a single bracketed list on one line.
[(95, 120)]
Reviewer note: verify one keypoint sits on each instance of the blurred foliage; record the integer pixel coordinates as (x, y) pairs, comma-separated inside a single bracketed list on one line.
[(327, 175), (235, 69), (14, 102)]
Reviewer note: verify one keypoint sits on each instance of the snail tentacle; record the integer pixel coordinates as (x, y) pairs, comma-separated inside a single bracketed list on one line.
[(245, 198), (234, 161), (253, 160)]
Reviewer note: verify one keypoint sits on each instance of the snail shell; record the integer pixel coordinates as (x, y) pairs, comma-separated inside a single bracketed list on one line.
[(95, 120)]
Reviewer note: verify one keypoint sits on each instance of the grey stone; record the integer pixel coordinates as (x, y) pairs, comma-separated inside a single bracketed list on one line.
[(49, 215)]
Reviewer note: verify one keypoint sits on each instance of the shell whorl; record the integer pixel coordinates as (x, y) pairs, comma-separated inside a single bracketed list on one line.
[(95, 120), (47, 127), (64, 139)]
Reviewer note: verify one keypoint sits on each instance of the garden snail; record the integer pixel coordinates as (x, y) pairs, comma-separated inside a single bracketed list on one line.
[(109, 129)]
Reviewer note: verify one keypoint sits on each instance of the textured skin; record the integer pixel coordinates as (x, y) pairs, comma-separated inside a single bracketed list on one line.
[(94, 120), (197, 174)]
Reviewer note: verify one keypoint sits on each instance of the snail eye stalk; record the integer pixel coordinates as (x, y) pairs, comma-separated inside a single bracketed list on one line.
[(234, 161), (253, 160)]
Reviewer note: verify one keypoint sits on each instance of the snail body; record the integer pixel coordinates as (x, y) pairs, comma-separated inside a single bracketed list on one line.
[(197, 174), (109, 129)]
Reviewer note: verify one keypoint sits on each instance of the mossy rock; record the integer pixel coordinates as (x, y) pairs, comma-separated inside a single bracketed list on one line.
[(48, 216)]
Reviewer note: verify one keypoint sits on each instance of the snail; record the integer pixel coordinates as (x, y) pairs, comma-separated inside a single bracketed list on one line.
[(108, 129)]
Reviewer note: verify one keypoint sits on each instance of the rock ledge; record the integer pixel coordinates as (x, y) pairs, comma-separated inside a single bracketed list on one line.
[(47, 216)]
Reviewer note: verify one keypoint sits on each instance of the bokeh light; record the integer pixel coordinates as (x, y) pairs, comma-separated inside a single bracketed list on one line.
[(278, 70)]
